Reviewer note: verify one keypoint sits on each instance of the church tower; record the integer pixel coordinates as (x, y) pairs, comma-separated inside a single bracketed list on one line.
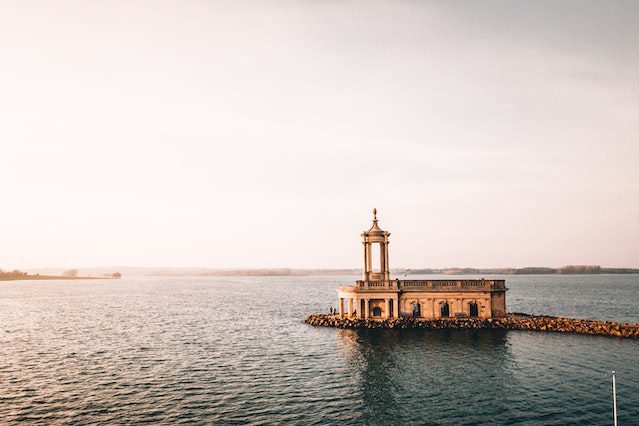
[(375, 241)]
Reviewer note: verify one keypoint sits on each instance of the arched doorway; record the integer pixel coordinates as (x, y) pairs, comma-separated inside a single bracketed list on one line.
[(417, 312), (474, 310), (377, 311), (444, 310)]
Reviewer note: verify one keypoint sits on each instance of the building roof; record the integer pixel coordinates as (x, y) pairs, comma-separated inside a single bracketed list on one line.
[(375, 229)]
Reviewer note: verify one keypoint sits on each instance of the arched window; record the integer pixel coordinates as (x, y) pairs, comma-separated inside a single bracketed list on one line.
[(474, 310), (416, 309), (444, 309), (377, 311)]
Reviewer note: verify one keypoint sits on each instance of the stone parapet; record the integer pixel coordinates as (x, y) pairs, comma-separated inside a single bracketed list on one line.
[(431, 285), (510, 322)]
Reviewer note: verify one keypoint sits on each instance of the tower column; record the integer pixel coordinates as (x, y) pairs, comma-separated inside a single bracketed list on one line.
[(382, 260), (386, 262), (375, 235), (365, 262)]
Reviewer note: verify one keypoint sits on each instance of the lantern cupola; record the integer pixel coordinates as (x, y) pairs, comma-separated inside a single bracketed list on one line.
[(375, 241)]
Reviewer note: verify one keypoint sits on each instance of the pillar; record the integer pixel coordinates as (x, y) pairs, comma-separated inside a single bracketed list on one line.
[(350, 308), (387, 260), (367, 308), (341, 307), (385, 263), (387, 312), (365, 262), (358, 308), (396, 308)]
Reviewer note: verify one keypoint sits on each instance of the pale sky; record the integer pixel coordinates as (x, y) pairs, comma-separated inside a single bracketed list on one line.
[(262, 133)]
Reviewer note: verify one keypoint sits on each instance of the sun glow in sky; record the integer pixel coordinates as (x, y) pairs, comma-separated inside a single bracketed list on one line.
[(262, 134)]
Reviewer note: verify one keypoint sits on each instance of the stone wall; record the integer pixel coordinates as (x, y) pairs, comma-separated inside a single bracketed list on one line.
[(510, 322)]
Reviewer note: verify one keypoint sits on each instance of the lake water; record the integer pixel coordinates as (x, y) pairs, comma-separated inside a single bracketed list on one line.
[(235, 351)]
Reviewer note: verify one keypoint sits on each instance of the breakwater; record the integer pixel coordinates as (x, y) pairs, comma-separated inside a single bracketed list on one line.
[(510, 322)]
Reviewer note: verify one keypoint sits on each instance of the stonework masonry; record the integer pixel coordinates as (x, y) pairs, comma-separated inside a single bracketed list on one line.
[(509, 322)]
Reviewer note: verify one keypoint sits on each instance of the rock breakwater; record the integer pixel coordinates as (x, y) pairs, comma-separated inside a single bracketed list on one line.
[(510, 322)]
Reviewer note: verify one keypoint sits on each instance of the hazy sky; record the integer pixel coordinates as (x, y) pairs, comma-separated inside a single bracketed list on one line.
[(240, 133)]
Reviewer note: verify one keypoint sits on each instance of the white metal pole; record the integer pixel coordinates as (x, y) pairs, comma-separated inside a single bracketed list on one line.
[(614, 397)]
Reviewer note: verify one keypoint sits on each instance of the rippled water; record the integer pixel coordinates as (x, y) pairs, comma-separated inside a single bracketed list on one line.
[(235, 350)]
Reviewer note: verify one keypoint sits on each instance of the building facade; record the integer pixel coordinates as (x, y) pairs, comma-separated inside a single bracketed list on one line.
[(377, 296)]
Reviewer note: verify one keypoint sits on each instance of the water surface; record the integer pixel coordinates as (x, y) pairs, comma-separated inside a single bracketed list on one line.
[(235, 351)]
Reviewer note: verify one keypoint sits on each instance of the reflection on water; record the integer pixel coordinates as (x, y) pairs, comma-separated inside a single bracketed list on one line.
[(221, 351), (417, 376), (487, 376)]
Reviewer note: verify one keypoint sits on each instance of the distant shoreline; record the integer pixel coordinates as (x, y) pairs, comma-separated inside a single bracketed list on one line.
[(49, 277), (564, 270), (169, 272), (286, 272)]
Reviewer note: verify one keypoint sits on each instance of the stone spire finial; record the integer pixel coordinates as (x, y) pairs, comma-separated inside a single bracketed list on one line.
[(375, 228)]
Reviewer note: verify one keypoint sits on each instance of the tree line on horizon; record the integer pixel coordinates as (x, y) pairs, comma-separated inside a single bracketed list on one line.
[(12, 274), (530, 270), (70, 273)]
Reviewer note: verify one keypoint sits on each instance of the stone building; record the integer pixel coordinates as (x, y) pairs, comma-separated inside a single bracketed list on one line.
[(377, 296)]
